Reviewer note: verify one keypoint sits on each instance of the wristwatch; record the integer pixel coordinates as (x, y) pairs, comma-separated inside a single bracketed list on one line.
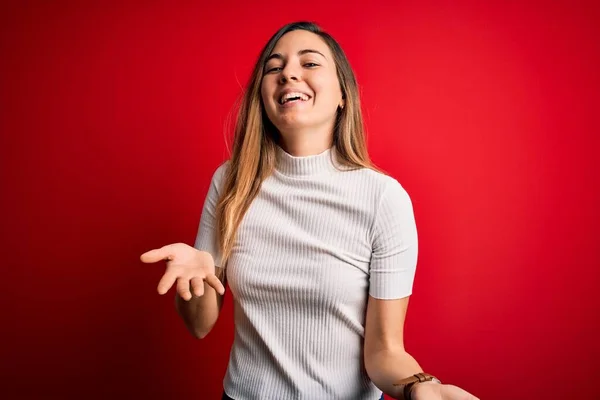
[(409, 382)]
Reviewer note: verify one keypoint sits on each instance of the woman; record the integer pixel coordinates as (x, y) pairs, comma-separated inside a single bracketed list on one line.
[(318, 247)]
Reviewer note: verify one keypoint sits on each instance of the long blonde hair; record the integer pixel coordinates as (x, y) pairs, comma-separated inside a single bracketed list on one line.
[(254, 145)]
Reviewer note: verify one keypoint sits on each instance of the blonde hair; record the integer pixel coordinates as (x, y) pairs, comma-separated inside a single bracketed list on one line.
[(254, 145)]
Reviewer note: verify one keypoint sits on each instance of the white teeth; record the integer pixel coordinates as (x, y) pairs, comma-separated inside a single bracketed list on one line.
[(292, 95)]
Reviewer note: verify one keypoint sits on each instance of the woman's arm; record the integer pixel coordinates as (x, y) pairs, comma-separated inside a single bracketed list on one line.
[(386, 360), (200, 313)]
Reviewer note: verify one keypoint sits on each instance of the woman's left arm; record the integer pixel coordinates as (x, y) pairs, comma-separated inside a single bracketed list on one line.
[(386, 360)]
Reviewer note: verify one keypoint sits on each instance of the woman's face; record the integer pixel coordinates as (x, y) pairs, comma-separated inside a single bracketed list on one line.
[(300, 89)]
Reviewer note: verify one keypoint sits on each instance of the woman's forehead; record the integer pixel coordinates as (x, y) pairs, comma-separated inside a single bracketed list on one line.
[(299, 40)]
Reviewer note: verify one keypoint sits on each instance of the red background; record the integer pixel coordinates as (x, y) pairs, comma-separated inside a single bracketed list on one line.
[(113, 120)]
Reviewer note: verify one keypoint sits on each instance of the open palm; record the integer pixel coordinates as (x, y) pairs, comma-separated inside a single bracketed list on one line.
[(187, 266)]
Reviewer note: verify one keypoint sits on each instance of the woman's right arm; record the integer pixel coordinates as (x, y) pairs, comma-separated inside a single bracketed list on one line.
[(200, 313), (199, 294)]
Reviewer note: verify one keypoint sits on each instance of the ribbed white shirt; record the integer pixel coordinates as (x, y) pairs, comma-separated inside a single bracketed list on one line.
[(313, 245)]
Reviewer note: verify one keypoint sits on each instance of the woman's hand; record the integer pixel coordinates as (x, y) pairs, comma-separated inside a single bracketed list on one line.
[(186, 265), (436, 391)]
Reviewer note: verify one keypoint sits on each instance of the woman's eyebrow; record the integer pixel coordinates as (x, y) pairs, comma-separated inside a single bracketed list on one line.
[(278, 56), (306, 51)]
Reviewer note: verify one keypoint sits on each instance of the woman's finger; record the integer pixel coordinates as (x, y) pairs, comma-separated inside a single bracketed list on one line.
[(183, 288), (164, 253), (216, 284), (197, 285), (167, 280)]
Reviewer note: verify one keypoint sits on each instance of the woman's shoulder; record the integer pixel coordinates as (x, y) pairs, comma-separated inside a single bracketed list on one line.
[(376, 178), (382, 187), (218, 177), (220, 171)]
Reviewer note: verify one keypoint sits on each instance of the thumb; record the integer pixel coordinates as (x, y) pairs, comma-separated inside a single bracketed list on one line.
[(164, 253)]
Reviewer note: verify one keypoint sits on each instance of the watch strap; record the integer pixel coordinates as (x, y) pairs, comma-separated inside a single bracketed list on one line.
[(408, 383)]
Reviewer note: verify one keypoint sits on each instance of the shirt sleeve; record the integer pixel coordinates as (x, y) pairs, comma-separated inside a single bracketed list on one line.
[(395, 245), (206, 239)]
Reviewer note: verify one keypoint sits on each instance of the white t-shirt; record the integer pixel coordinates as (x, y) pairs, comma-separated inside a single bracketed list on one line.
[(313, 245)]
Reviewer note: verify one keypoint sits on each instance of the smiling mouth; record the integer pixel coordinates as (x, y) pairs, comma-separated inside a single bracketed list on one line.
[(293, 97)]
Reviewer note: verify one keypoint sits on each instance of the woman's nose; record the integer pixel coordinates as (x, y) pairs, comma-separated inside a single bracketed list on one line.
[(289, 74)]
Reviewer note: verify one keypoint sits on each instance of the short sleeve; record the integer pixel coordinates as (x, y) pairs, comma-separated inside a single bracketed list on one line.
[(394, 245), (206, 239)]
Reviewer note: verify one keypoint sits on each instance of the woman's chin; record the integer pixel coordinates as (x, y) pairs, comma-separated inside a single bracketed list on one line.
[(292, 124)]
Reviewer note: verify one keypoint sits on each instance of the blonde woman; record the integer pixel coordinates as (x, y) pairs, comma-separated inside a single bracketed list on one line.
[(317, 246)]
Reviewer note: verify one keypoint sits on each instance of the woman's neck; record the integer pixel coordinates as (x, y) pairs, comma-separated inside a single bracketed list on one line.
[(305, 145)]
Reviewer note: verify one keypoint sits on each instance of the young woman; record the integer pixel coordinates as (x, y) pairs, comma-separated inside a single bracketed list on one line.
[(318, 247)]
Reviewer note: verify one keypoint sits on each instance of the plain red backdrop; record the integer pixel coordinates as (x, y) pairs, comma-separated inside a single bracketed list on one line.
[(114, 117)]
